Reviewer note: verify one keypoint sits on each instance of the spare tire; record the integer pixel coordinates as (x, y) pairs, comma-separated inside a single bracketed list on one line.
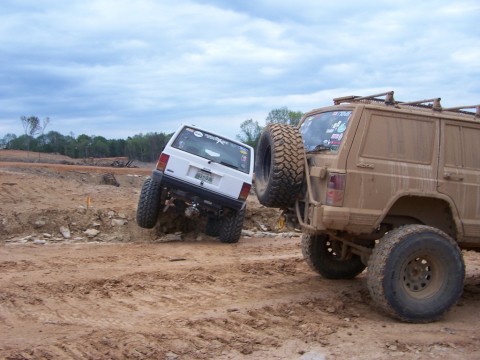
[(279, 166)]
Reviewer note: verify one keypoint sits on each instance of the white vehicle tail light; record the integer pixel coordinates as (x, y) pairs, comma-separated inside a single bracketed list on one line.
[(162, 162), (335, 189), (245, 191)]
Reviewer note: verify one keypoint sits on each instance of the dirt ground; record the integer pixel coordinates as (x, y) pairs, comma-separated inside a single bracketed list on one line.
[(80, 280)]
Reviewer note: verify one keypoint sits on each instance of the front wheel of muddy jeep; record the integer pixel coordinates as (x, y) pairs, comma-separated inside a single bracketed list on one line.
[(324, 256), (279, 166), (149, 203), (232, 225), (416, 273)]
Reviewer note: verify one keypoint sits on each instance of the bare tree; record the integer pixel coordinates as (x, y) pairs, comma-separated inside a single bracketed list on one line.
[(31, 125), (42, 127)]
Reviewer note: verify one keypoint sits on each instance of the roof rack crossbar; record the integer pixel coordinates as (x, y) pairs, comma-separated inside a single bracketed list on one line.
[(435, 103), (388, 98), (457, 108), (342, 99), (387, 95)]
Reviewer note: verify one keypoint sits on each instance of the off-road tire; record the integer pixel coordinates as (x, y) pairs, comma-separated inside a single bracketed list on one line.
[(279, 166), (149, 204), (232, 225), (321, 254), (213, 227), (416, 273)]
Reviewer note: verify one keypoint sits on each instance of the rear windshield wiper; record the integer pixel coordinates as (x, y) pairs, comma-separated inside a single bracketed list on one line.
[(223, 163), (319, 148), (229, 165)]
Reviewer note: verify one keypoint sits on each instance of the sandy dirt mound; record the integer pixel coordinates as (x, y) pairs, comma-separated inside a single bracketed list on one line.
[(80, 280)]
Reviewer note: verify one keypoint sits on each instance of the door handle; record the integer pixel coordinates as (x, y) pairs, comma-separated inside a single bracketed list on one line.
[(365, 165), (454, 177)]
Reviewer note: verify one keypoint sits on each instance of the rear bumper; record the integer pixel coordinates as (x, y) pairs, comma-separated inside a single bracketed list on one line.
[(195, 193), (353, 220)]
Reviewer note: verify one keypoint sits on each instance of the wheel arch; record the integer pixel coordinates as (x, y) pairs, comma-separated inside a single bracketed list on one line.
[(436, 211)]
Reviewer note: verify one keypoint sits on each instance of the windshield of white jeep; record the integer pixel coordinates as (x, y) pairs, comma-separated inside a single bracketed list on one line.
[(214, 148), (324, 131)]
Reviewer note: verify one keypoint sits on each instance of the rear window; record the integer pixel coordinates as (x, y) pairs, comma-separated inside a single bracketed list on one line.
[(324, 132), (214, 148)]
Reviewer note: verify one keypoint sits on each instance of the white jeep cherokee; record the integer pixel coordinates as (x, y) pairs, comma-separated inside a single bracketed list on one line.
[(204, 174)]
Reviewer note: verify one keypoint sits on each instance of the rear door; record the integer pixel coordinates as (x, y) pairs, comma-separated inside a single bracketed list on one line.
[(209, 161), (459, 172), (393, 154)]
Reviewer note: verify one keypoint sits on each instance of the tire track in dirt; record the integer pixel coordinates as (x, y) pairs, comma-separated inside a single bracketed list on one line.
[(196, 299), (220, 306), (132, 302)]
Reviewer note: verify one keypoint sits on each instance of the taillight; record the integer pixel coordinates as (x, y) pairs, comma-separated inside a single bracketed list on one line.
[(162, 161), (335, 189), (244, 192)]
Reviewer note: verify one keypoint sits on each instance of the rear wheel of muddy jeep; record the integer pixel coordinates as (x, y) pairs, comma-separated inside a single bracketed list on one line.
[(149, 204), (324, 256), (279, 165), (232, 225), (416, 273)]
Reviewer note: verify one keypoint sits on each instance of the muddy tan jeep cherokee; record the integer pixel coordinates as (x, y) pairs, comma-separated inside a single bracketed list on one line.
[(391, 185)]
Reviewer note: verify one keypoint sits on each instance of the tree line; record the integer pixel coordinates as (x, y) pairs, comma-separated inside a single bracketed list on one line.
[(141, 147)]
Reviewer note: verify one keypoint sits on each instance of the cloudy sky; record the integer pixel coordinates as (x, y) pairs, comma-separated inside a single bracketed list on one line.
[(117, 68)]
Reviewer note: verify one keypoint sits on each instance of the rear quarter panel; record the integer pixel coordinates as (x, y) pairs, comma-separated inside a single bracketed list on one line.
[(392, 155)]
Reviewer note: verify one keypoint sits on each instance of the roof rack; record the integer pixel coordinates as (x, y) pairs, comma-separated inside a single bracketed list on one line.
[(433, 104), (388, 98), (460, 108)]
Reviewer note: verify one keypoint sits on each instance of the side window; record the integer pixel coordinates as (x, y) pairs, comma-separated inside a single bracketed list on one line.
[(398, 138), (471, 140), (452, 148), (461, 144)]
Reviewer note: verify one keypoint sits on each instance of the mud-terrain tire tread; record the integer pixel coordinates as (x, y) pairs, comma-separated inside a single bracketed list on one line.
[(279, 165), (316, 254), (149, 204), (232, 225), (381, 272)]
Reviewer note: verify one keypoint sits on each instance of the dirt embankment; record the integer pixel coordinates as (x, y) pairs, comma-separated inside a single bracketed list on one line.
[(114, 291)]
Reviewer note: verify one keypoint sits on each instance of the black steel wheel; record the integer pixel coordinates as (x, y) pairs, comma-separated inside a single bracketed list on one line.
[(416, 273), (324, 256)]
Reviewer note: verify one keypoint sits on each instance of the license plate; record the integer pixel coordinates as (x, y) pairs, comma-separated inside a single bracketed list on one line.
[(204, 177)]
